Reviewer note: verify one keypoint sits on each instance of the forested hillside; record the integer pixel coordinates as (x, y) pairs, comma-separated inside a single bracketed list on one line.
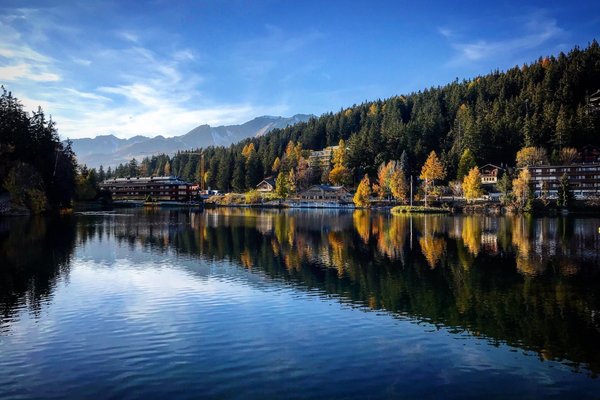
[(544, 103)]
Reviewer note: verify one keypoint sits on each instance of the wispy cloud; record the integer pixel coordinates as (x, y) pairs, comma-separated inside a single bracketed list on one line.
[(154, 96), (128, 36), (526, 33), (18, 61), (81, 61), (261, 55), (27, 71), (119, 87)]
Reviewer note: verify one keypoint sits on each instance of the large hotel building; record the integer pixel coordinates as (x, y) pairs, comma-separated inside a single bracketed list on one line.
[(156, 188), (584, 179)]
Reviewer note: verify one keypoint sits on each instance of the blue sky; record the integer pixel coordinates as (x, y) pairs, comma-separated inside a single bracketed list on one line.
[(164, 67)]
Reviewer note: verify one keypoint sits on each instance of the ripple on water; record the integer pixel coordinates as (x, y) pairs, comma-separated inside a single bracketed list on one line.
[(139, 322)]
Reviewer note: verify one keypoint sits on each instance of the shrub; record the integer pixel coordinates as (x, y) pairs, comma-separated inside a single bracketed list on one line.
[(253, 197), (26, 189)]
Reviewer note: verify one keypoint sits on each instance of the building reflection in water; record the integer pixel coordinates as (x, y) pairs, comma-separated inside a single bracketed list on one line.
[(528, 282)]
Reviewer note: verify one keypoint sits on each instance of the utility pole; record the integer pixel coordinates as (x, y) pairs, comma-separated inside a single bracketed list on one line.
[(202, 172), (411, 191)]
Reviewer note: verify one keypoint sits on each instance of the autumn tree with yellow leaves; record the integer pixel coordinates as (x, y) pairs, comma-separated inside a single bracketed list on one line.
[(340, 174), (363, 192), (384, 179), (399, 186), (472, 185), (528, 156), (432, 169), (391, 181), (248, 149), (276, 165), (522, 190)]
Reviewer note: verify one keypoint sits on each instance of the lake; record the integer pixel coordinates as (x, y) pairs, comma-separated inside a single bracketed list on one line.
[(242, 303)]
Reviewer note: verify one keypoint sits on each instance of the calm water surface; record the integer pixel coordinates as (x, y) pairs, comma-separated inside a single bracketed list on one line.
[(298, 304)]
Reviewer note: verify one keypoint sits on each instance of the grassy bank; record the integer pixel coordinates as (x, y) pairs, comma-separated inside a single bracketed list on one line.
[(419, 210)]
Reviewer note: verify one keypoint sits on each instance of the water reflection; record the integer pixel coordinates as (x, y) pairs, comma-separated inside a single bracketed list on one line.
[(531, 283), (34, 253)]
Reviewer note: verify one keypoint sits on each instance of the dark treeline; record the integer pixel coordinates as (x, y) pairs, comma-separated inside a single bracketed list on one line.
[(541, 104), (36, 169)]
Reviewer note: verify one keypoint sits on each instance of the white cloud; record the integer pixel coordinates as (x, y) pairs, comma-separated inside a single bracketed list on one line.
[(26, 71), (533, 32), (18, 61), (8, 50), (184, 55), (82, 61), (110, 89), (128, 36), (446, 32)]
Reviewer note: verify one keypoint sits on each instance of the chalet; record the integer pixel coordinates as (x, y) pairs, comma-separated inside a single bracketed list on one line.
[(584, 179), (490, 174), (160, 188), (325, 193), (266, 185)]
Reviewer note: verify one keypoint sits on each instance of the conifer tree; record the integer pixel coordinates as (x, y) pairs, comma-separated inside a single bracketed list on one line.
[(466, 163), (282, 186), (564, 192)]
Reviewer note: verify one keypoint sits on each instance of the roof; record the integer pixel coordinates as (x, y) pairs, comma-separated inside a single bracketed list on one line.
[(327, 188), (146, 179), (491, 165), (270, 181), (578, 165)]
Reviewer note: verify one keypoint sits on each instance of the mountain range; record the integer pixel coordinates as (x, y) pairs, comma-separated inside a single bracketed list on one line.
[(109, 150)]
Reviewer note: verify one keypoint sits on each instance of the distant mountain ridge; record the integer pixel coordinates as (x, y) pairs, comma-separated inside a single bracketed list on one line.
[(109, 150)]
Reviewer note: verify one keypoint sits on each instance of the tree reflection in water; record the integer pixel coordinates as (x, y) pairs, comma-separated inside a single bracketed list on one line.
[(528, 282), (34, 253)]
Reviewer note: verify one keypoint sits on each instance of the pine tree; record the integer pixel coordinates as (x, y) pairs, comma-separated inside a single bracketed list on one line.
[(133, 169), (224, 171), (562, 131), (282, 186), (505, 186), (466, 163), (254, 171), (238, 180), (564, 192), (403, 163)]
